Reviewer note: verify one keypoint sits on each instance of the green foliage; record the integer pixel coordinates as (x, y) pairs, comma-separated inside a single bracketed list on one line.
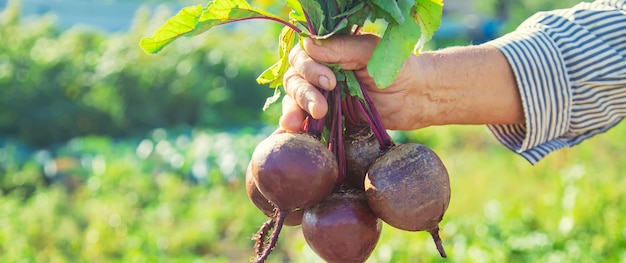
[(428, 14), (273, 76), (56, 85), (194, 20), (403, 38), (320, 19), (396, 45)]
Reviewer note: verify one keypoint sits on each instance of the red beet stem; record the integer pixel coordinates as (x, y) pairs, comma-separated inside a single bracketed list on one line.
[(378, 127), (351, 109), (332, 141), (355, 109), (336, 131), (336, 6), (377, 132), (341, 156), (349, 112), (308, 23), (357, 30), (315, 127)]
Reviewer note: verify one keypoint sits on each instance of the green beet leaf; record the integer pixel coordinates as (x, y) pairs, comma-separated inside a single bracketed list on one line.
[(410, 24), (340, 25), (274, 74), (396, 45), (357, 15), (428, 14), (193, 20), (390, 9), (272, 99), (315, 16), (354, 87), (296, 13), (181, 24)]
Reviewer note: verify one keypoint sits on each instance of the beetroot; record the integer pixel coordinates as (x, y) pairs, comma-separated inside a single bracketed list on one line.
[(293, 170), (342, 228), (408, 188), (361, 149), (293, 219)]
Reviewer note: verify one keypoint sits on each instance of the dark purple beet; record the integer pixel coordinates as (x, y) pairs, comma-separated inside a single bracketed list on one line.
[(342, 228), (294, 170), (293, 219), (408, 188), (361, 149)]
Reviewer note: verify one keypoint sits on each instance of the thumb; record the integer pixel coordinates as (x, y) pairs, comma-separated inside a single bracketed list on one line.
[(350, 52)]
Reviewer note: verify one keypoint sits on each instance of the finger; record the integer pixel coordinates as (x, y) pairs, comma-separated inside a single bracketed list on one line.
[(306, 96), (315, 73), (292, 117), (350, 52)]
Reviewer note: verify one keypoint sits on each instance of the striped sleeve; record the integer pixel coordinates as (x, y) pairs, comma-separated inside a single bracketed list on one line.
[(570, 68)]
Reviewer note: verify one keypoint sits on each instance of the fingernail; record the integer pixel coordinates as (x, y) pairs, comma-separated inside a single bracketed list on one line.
[(318, 42), (310, 107), (324, 82)]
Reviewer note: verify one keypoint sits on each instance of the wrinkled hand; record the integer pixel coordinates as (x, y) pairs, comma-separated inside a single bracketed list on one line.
[(307, 74)]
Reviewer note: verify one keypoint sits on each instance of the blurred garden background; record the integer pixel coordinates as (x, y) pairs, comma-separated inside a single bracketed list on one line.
[(111, 155)]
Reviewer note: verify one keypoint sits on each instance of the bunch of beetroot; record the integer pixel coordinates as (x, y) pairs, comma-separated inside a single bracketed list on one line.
[(338, 186), (343, 174)]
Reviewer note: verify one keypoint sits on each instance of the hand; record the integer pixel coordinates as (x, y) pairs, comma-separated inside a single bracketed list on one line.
[(351, 53), (460, 85)]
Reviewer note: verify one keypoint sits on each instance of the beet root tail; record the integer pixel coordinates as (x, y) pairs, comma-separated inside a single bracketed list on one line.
[(262, 255), (261, 236), (435, 234)]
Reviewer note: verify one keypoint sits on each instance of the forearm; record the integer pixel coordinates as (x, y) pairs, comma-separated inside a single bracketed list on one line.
[(468, 85)]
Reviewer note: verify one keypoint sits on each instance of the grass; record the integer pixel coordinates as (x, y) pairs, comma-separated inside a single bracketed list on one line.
[(178, 196)]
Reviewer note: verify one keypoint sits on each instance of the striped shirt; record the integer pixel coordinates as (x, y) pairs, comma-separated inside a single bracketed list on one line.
[(570, 68)]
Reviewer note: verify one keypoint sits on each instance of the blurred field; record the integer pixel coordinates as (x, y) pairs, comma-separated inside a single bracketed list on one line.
[(178, 197)]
